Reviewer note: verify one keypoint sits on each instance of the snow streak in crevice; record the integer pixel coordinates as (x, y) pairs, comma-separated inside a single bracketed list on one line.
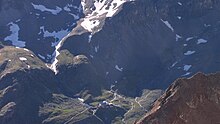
[(92, 22)]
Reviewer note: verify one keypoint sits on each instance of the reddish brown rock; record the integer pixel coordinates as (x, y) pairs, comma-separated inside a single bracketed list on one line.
[(188, 101)]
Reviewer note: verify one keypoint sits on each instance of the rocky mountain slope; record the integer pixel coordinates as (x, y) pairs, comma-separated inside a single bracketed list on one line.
[(100, 61), (32, 93), (149, 42), (188, 101)]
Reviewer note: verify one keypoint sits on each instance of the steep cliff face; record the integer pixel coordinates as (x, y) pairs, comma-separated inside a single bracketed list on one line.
[(85, 75), (188, 101), (149, 42)]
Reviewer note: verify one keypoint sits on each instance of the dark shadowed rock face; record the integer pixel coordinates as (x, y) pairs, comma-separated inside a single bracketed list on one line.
[(188, 101), (77, 74), (109, 113), (149, 43)]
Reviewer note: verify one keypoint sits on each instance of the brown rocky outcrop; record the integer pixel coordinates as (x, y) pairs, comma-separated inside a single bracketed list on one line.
[(188, 101)]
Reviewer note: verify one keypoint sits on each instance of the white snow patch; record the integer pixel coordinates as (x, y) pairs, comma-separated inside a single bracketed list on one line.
[(69, 6), (56, 54), (102, 8), (118, 68), (179, 17), (41, 56), (90, 38), (96, 49), (189, 53), (18, 20), (178, 37), (187, 67), (207, 25), (59, 34), (42, 8), (173, 64), (202, 41), (188, 73), (180, 3), (66, 8), (22, 58), (106, 73), (189, 38), (26, 49), (81, 100), (14, 37), (168, 25), (90, 25), (76, 17), (184, 45)]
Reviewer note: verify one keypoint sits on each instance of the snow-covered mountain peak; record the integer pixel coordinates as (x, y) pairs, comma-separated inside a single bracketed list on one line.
[(97, 10)]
